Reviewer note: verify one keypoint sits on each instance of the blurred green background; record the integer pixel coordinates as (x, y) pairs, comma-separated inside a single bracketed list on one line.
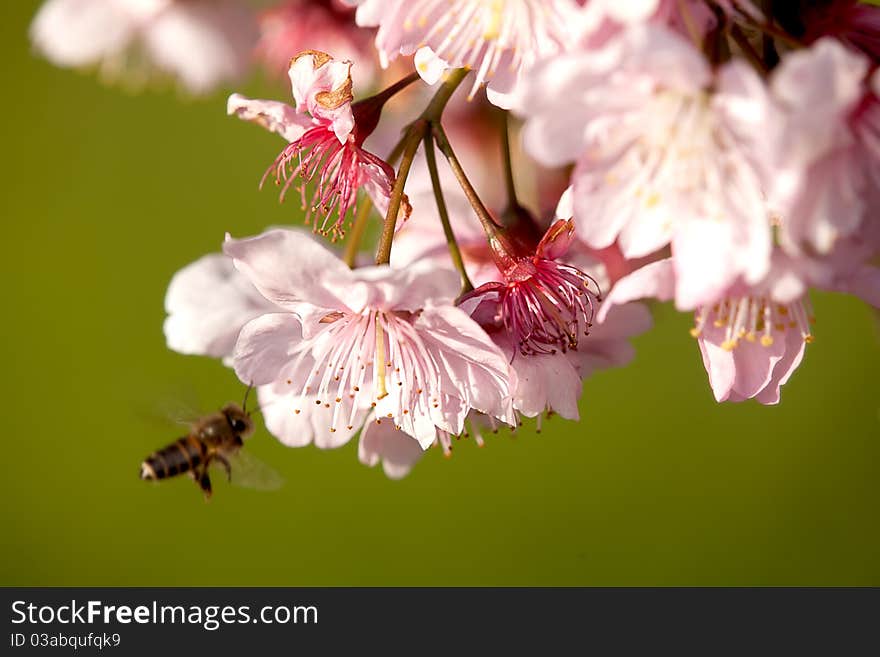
[(107, 194)]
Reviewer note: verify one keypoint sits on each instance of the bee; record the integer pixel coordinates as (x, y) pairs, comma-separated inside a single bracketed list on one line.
[(214, 438)]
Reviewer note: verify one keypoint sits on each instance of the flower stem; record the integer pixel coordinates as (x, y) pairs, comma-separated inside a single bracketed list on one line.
[(357, 231), (435, 108), (767, 27), (473, 198), (397, 87), (751, 54), (454, 251), (410, 146), (512, 202), (689, 24), (368, 111), (416, 131)]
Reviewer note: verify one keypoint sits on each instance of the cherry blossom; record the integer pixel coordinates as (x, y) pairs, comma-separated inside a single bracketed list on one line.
[(498, 39), (545, 381), (201, 43), (325, 134), (388, 339), (660, 160), (823, 159), (753, 337)]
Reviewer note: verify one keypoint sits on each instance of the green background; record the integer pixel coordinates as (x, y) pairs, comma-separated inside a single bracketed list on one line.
[(106, 194)]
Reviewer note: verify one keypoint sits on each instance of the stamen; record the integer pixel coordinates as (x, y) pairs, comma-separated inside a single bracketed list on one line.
[(746, 317), (381, 391)]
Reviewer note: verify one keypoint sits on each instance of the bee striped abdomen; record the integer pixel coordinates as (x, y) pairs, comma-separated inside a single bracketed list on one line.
[(180, 456)]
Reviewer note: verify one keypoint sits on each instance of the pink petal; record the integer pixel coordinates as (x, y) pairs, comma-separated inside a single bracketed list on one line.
[(429, 66), (271, 115), (556, 240), (655, 280), (397, 451), (755, 365), (288, 266), (703, 261), (265, 347), (81, 32), (322, 85), (407, 289), (208, 302), (202, 43), (278, 405), (864, 283), (471, 364), (546, 382), (720, 367), (785, 367), (608, 344)]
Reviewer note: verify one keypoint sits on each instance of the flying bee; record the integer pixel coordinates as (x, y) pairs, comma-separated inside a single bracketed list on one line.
[(215, 438)]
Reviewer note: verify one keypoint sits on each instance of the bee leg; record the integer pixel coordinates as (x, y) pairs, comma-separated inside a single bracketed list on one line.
[(226, 466), (204, 482)]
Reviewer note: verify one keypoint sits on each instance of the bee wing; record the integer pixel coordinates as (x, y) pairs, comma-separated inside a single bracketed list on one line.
[(250, 472), (170, 410)]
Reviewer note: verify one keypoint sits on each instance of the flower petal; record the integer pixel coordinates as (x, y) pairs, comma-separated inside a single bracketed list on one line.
[(298, 421), (785, 367), (472, 367), (408, 289), (381, 442), (322, 85), (208, 302), (655, 280), (720, 367), (429, 66), (288, 266), (265, 346), (556, 240), (276, 117)]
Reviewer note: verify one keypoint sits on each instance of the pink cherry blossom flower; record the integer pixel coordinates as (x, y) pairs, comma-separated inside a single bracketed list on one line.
[(823, 163), (660, 160), (202, 43), (499, 39), (384, 338), (544, 305), (753, 337), (293, 26), (545, 381), (208, 302), (326, 133)]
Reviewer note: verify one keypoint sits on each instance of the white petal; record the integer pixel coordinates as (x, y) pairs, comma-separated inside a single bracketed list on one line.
[(397, 451), (288, 266)]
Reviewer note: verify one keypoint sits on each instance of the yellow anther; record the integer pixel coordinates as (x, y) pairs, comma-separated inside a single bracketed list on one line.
[(766, 340)]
